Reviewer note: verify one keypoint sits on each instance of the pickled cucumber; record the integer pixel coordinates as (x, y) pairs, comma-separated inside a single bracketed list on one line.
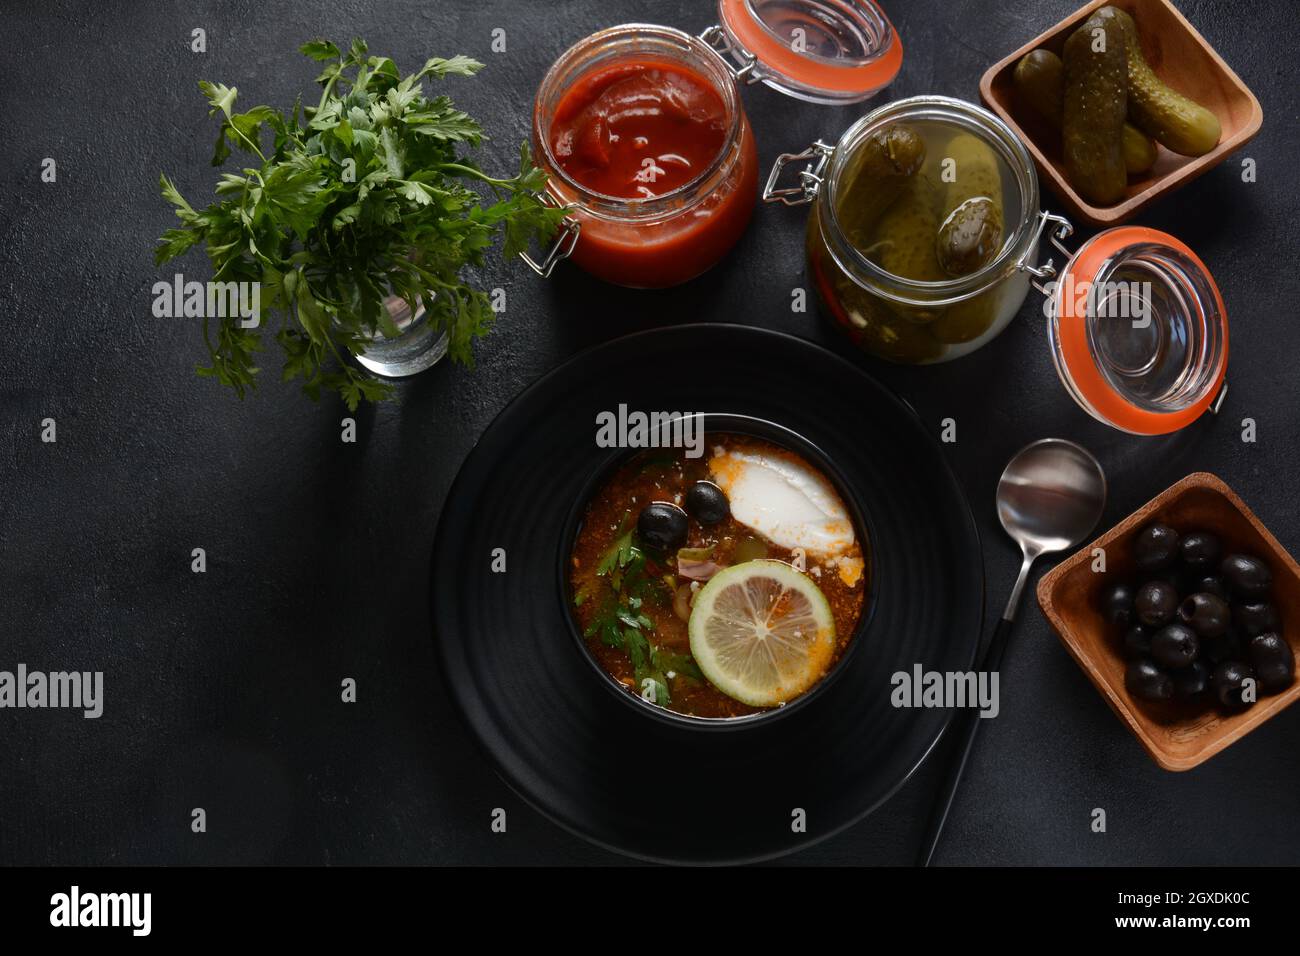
[(970, 237), (966, 321), (864, 316), (1177, 123), (975, 172), (900, 342), (1040, 83), (878, 330), (904, 243), (879, 171), (1096, 102)]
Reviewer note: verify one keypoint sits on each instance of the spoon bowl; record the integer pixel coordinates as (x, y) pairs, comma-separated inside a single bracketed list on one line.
[(1051, 496)]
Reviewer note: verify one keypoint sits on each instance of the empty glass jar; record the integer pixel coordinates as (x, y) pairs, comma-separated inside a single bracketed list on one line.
[(1139, 331)]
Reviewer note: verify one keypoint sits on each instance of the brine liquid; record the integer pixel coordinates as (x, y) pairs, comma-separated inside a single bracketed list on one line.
[(833, 29)]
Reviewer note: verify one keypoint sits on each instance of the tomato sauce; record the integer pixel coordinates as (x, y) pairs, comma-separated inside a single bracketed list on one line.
[(635, 131), (638, 130)]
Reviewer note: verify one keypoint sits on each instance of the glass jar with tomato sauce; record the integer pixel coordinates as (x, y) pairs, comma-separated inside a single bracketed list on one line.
[(644, 138), (643, 135)]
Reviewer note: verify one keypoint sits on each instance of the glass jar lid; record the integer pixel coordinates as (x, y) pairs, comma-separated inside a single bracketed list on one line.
[(822, 51), (1140, 331)]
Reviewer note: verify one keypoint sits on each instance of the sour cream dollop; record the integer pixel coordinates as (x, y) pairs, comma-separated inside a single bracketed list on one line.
[(784, 500)]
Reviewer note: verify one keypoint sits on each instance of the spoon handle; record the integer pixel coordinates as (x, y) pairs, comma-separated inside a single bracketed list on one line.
[(967, 724)]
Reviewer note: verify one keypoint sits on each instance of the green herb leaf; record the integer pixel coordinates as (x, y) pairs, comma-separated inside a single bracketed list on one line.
[(320, 50), (621, 586), (682, 665), (364, 196), (458, 65), (173, 243), (220, 96)]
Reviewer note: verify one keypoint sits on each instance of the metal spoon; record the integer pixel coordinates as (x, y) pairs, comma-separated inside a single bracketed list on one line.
[(1049, 499)]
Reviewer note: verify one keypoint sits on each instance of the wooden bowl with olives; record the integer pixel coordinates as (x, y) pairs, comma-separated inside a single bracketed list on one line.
[(1186, 616)]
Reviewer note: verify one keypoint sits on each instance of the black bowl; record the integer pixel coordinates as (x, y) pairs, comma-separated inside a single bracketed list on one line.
[(735, 424)]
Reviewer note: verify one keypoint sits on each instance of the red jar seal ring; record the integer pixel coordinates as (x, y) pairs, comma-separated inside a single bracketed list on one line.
[(806, 73), (1072, 316)]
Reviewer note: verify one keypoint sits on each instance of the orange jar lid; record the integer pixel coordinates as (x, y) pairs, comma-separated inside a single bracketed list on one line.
[(1140, 331), (824, 51)]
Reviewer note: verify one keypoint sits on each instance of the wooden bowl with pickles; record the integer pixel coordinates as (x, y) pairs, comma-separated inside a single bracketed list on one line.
[(1181, 111)]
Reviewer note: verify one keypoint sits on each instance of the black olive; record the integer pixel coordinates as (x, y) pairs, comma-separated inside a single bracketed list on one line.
[(1175, 646), (1180, 579), (662, 526), (1191, 681), (1273, 662), (1247, 577), (1156, 602), (1144, 680), (1229, 683), (1200, 550), (1156, 547), (707, 503), (1210, 584), (1254, 619), (1205, 614), (1225, 647), (1117, 605), (1137, 641)]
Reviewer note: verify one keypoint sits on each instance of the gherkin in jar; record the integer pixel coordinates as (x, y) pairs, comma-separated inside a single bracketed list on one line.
[(904, 243), (967, 321), (882, 168), (970, 237), (917, 239), (971, 233), (975, 171), (864, 316)]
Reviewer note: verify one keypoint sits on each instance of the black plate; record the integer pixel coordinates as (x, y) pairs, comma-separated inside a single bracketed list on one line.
[(650, 789)]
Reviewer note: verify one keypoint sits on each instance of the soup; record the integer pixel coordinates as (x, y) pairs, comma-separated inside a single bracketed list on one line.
[(718, 586)]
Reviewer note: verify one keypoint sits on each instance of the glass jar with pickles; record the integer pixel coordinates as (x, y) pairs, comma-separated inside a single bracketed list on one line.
[(924, 227)]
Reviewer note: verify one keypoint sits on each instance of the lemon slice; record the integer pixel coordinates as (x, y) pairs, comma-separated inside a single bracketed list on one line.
[(762, 632)]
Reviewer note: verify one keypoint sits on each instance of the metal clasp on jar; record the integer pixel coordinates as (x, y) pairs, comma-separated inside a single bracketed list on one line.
[(561, 246), (743, 65), (810, 177), (1047, 270)]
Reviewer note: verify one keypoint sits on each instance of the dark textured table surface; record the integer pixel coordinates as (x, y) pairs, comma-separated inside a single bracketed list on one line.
[(222, 689)]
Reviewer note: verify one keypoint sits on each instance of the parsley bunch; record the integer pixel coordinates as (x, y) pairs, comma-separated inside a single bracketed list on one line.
[(364, 196)]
